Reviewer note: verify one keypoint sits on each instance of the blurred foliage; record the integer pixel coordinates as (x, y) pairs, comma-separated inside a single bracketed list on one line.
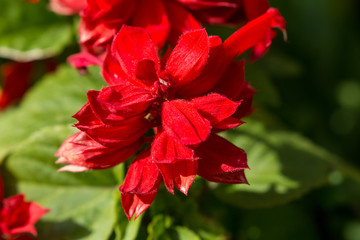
[(302, 140)]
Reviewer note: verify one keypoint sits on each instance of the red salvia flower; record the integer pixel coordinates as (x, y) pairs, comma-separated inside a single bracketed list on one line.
[(18, 217), (167, 20), (182, 100)]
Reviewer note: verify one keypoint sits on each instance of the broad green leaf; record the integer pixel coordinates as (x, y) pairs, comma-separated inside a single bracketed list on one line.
[(132, 228), (159, 228), (185, 210), (52, 101), (284, 166), (31, 32), (82, 204), (185, 233)]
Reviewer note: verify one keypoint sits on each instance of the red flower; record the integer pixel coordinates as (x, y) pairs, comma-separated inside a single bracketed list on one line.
[(67, 7), (16, 77), (182, 100), (167, 20), (17, 217)]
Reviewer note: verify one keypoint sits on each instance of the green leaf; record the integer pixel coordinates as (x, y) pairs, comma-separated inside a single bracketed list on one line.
[(30, 31), (81, 204), (284, 166), (52, 101), (159, 227), (185, 233)]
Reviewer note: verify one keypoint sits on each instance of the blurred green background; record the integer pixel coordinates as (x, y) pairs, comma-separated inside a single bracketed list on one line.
[(314, 83)]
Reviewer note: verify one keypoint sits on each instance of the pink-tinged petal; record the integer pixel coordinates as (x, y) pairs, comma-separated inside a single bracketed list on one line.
[(188, 58), (112, 72), (154, 21), (82, 153), (18, 216), (121, 134), (72, 168), (215, 107), (221, 161), (83, 60), (176, 162), (67, 7), (16, 79), (182, 122), (132, 45), (117, 103), (210, 76), (251, 34), (255, 8), (140, 185), (180, 20)]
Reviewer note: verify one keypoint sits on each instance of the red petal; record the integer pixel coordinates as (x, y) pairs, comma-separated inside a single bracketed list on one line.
[(140, 185), (211, 74), (145, 71), (182, 122), (228, 123), (251, 34), (154, 21), (215, 107), (132, 45), (255, 8), (180, 20), (188, 58), (83, 60), (100, 21), (83, 153), (221, 161), (18, 216), (213, 12), (234, 77), (121, 134), (175, 161), (117, 103), (112, 72), (240, 90)]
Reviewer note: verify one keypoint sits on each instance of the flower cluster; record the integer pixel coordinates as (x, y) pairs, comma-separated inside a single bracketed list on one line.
[(101, 20), (17, 217), (169, 109)]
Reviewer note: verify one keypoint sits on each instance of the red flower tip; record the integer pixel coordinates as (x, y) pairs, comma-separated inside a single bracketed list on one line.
[(176, 162), (140, 185), (18, 216)]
